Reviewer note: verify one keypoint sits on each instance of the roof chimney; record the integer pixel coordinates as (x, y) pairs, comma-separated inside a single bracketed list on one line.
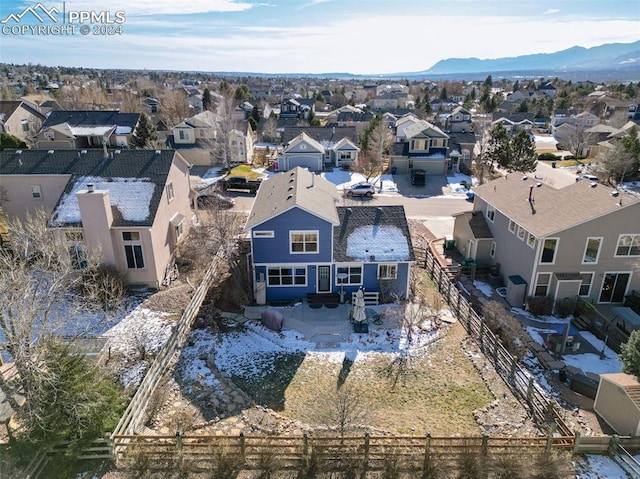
[(90, 188)]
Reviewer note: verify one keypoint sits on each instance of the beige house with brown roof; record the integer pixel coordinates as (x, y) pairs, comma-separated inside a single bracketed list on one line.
[(580, 240), (618, 403), (132, 207)]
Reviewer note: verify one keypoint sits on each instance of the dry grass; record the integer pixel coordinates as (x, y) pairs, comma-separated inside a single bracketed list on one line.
[(436, 394)]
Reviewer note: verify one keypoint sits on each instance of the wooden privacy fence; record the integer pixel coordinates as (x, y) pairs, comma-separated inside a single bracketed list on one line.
[(134, 414), (543, 409), (293, 451)]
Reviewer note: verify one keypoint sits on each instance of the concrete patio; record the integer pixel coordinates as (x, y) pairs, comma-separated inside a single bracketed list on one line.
[(327, 327)]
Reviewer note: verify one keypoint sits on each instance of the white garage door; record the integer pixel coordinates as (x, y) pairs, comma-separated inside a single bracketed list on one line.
[(313, 163)]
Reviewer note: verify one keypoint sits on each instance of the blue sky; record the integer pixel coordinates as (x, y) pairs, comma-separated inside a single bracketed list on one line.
[(314, 36)]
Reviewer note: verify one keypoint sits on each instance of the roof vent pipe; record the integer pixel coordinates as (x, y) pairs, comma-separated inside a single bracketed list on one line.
[(90, 188)]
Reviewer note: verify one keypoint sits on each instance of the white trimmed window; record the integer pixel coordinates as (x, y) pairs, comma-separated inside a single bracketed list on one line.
[(512, 226), (134, 256), (130, 236), (301, 242), (170, 194), (36, 192), (287, 276), (531, 241), (549, 248), (492, 251), (353, 272), (585, 286), (628, 245), (542, 284), (521, 233), (387, 271), (591, 250), (491, 213), (263, 234)]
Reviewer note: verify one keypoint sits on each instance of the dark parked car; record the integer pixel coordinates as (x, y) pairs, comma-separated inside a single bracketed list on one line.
[(213, 199), (418, 177), (361, 189)]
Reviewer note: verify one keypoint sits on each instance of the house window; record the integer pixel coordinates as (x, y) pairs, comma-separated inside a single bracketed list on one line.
[(542, 284), (303, 241), (25, 126), (179, 230), (345, 155), (531, 241), (133, 253), (77, 256), (354, 275), (130, 236), (512, 226), (287, 276), (170, 192), (585, 286), (492, 251), (521, 233), (183, 135), (591, 250), (263, 234), (549, 251), (628, 245), (387, 271), (36, 192), (491, 213)]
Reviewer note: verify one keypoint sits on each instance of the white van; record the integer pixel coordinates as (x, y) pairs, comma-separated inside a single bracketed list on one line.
[(591, 178)]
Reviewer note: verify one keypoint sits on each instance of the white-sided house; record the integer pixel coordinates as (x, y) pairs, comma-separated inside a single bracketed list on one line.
[(20, 118), (132, 207), (302, 151), (402, 123), (344, 154), (618, 403)]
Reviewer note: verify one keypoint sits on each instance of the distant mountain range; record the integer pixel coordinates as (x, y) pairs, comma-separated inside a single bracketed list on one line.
[(609, 62)]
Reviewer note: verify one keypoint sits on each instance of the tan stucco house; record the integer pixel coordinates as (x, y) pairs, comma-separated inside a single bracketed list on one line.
[(618, 403), (580, 240), (20, 118), (131, 206)]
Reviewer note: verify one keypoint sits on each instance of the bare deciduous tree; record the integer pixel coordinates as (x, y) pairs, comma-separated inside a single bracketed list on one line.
[(40, 300), (270, 129), (174, 108), (342, 408)]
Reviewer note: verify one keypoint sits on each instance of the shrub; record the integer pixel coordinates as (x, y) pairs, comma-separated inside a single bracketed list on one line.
[(506, 327), (630, 354), (104, 285), (540, 305), (548, 157)]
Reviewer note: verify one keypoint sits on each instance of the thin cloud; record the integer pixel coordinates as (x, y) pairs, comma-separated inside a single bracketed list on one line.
[(163, 7), (551, 11), (312, 3)]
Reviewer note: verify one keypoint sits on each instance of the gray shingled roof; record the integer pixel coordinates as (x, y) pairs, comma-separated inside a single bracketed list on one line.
[(295, 188), (552, 210), (150, 164), (91, 118), (387, 224)]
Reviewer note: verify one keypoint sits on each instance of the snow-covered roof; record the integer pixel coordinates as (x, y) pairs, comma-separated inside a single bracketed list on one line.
[(379, 243), (92, 130), (131, 197)]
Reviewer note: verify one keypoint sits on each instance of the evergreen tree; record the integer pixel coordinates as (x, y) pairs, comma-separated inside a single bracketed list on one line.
[(8, 140), (255, 114), (145, 135), (488, 82), (443, 93), (630, 354), (206, 99), (511, 153), (516, 86)]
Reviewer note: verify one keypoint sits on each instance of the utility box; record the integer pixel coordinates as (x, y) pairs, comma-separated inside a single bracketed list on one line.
[(516, 290)]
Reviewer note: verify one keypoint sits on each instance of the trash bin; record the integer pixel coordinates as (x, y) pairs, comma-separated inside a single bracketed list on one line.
[(394, 169), (553, 164), (449, 243)]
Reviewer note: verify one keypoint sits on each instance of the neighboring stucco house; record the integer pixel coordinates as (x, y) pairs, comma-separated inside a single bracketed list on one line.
[(618, 403), (132, 206), (426, 147), (401, 124), (195, 137), (20, 119), (301, 240), (580, 240), (86, 129)]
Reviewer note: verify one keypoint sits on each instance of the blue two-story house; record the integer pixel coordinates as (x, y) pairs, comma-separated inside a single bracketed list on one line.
[(303, 241)]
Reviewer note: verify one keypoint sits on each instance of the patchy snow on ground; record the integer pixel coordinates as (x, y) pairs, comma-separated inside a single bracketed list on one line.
[(484, 288), (599, 467), (593, 363), (456, 183), (136, 339), (545, 142)]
